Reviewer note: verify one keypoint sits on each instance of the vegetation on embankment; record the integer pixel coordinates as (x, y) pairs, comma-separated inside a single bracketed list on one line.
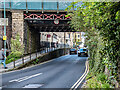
[(101, 23), (17, 49)]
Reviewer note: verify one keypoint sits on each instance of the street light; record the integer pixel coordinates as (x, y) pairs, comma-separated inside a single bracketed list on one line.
[(4, 31)]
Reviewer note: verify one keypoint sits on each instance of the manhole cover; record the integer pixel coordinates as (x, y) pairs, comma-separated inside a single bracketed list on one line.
[(33, 86)]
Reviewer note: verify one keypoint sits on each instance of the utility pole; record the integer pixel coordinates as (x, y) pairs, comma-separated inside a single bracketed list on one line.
[(5, 30), (64, 42)]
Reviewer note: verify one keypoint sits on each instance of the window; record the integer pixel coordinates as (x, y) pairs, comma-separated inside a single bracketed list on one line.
[(69, 35)]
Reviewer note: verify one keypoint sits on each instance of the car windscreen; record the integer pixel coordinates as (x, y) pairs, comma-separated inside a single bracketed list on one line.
[(72, 49), (83, 50)]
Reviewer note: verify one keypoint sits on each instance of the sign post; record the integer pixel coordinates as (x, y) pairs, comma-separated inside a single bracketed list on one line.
[(4, 32)]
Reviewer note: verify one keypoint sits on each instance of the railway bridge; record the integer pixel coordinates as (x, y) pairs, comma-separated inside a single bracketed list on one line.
[(30, 19)]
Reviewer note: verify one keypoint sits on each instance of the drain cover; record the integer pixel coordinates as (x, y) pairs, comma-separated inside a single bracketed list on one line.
[(33, 86)]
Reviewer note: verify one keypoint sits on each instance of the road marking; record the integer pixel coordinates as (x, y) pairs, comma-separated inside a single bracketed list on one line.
[(18, 79), (25, 78), (80, 79), (33, 86)]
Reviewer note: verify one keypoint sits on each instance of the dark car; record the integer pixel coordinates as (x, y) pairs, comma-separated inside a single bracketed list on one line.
[(82, 52), (73, 51)]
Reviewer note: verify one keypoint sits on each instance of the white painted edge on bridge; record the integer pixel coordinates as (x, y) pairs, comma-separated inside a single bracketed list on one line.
[(79, 81)]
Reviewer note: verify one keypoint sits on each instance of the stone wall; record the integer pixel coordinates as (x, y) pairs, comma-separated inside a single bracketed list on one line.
[(18, 24), (31, 39)]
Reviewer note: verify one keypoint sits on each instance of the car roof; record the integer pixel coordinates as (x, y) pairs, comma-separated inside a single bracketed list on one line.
[(83, 48)]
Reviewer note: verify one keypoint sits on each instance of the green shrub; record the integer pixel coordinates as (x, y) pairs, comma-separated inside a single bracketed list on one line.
[(102, 77), (17, 49), (106, 85), (37, 60), (13, 56), (93, 83), (98, 82)]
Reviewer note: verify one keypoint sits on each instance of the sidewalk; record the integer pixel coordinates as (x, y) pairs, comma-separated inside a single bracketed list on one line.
[(19, 61)]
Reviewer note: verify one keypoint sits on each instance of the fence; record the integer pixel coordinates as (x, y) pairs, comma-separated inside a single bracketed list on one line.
[(37, 53)]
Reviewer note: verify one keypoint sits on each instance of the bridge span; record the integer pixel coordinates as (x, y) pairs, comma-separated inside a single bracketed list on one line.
[(30, 19)]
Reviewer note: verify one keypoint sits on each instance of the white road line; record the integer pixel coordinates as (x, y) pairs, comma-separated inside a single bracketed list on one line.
[(80, 77), (33, 86), (30, 77), (25, 78), (18, 79), (81, 80)]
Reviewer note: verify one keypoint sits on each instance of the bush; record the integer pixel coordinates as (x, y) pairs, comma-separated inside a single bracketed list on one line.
[(17, 49), (99, 81), (102, 77), (93, 83), (14, 55), (106, 85)]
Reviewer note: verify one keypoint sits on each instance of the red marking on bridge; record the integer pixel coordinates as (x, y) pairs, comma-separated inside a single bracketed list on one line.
[(47, 16)]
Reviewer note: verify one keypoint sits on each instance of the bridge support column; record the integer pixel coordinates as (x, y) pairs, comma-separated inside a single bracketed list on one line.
[(18, 24)]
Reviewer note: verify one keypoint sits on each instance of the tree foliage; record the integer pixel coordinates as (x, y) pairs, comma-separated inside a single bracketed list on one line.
[(101, 23), (17, 49)]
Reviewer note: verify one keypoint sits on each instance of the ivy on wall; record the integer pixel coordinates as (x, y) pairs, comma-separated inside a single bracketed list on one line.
[(101, 23)]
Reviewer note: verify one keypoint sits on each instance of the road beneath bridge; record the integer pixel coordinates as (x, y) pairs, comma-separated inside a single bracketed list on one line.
[(62, 72)]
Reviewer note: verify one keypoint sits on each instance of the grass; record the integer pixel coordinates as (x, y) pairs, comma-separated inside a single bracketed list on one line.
[(97, 81)]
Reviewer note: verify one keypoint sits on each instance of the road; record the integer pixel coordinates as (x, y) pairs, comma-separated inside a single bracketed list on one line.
[(62, 72)]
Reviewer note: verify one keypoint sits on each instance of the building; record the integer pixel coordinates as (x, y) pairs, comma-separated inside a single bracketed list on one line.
[(77, 39), (57, 38)]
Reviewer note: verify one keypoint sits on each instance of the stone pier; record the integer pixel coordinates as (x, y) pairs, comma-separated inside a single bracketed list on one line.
[(18, 24)]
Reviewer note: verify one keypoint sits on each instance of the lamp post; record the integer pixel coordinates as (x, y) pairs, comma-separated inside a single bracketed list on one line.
[(4, 30)]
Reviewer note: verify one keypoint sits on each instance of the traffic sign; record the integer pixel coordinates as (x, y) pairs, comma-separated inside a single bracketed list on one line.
[(4, 37), (3, 21), (56, 21), (48, 35)]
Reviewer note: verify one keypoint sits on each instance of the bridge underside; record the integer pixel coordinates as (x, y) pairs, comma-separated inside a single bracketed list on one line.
[(48, 22), (32, 33), (49, 26)]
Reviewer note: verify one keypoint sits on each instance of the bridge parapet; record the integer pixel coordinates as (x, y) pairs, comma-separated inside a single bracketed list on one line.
[(46, 16)]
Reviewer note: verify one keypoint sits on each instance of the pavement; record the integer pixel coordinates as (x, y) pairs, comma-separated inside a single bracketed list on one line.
[(62, 72), (19, 61)]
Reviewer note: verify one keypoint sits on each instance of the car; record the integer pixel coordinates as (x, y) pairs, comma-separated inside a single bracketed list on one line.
[(73, 51), (82, 52)]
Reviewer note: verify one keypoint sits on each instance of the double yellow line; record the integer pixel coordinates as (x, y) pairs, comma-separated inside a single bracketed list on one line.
[(76, 85)]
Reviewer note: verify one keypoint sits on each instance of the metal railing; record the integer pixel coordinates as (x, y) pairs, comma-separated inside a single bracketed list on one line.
[(33, 55)]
